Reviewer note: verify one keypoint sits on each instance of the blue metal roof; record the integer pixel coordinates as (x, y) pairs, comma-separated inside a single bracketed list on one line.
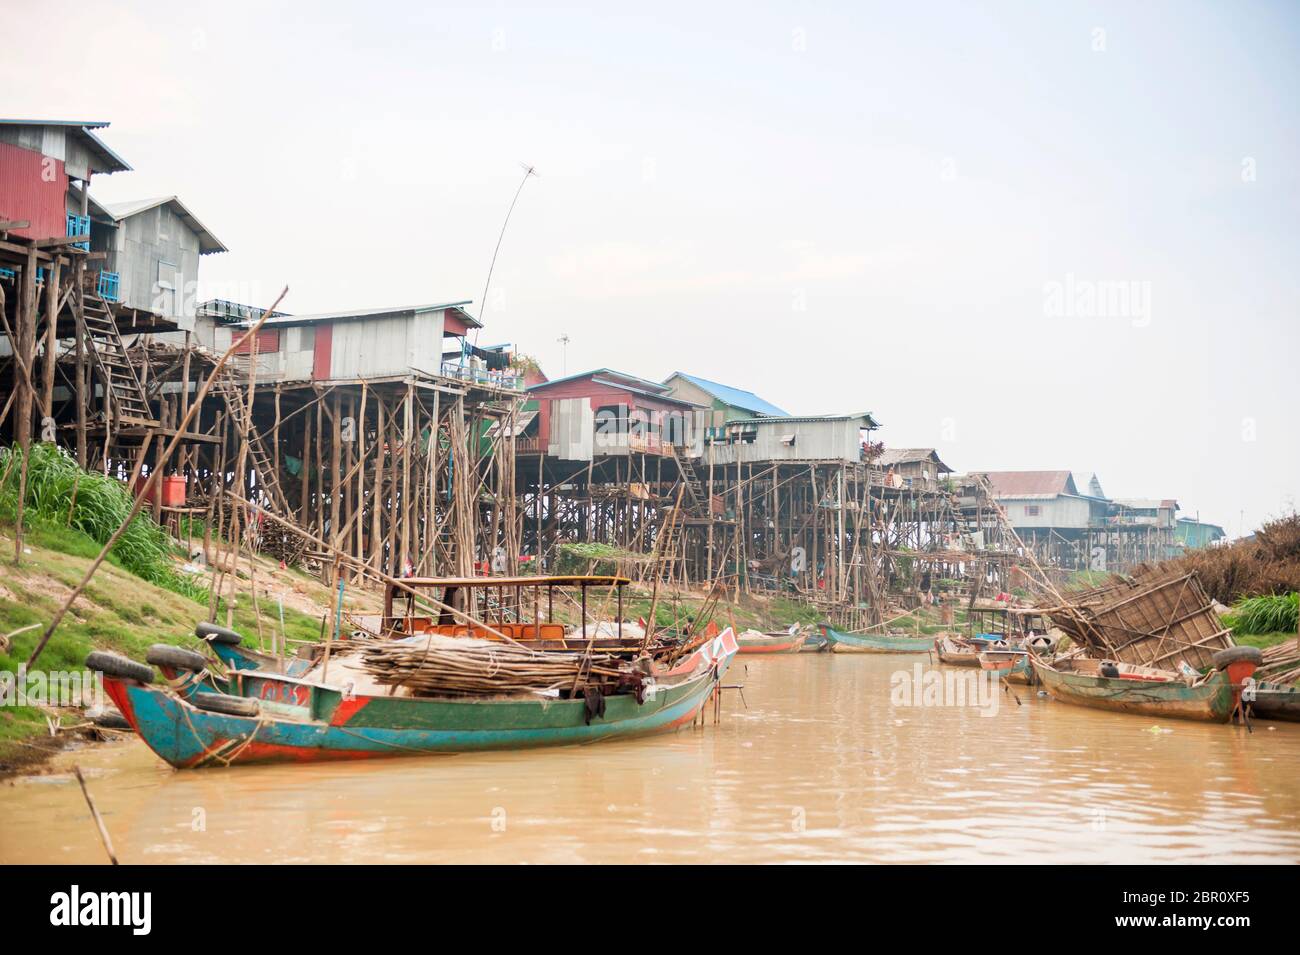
[(736, 397)]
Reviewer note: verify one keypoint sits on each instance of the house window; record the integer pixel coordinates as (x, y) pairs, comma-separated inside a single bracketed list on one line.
[(1032, 510), (268, 341)]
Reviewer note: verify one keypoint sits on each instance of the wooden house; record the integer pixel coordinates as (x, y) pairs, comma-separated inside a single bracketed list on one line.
[(917, 468), (353, 345), (151, 250), (607, 412), (724, 402), (821, 438)]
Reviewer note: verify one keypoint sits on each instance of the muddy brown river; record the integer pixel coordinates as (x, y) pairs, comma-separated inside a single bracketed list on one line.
[(822, 764)]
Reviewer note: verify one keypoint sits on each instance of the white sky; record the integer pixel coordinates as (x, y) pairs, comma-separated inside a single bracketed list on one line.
[(840, 207)]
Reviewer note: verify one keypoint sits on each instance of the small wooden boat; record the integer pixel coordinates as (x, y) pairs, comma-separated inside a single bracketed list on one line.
[(815, 641), (957, 652), (272, 717), (842, 642), (1275, 702), (1149, 691), (754, 641), (1010, 665)]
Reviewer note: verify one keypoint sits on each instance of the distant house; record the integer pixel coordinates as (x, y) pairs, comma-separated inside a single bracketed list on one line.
[(820, 438), (726, 403), (912, 467), (1160, 514), (1046, 501), (348, 346), (152, 247), (1191, 534), (608, 412)]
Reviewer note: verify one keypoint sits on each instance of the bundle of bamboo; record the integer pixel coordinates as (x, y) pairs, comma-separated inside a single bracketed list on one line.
[(1281, 663), (458, 666)]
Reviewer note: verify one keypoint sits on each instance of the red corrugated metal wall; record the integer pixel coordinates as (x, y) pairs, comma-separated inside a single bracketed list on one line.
[(323, 350), (268, 341), (25, 194)]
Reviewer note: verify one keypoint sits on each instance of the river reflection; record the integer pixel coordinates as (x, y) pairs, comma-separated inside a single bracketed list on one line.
[(819, 766)]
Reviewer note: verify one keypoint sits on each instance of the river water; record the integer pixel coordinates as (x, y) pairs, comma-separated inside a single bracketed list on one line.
[(820, 763)]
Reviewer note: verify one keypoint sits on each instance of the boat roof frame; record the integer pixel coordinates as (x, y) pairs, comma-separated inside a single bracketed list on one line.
[(556, 580)]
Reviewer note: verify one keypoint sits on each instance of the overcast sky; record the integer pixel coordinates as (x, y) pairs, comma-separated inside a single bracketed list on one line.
[(1036, 235)]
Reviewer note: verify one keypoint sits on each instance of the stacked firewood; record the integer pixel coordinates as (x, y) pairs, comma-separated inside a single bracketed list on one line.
[(1281, 663), (460, 667)]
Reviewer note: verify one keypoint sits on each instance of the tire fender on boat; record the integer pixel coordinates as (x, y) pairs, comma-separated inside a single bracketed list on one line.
[(1225, 658), (215, 634), (178, 658), (113, 665), (228, 705)]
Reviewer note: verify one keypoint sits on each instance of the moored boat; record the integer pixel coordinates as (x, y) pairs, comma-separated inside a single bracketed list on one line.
[(1010, 665), (843, 642), (1129, 688), (272, 717), (957, 652), (815, 642), (1270, 701), (755, 641)]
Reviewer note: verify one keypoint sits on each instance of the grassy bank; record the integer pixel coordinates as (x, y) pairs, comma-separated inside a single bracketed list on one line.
[(119, 611)]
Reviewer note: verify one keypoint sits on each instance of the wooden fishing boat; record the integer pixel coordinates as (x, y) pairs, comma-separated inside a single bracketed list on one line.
[(272, 717), (957, 652), (1274, 702), (754, 641), (1149, 691), (1010, 665), (842, 642)]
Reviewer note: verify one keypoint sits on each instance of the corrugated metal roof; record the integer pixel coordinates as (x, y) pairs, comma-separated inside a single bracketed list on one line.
[(618, 379), (1023, 483), (644, 384), (124, 210), (736, 397), (112, 162), (405, 311), (793, 419)]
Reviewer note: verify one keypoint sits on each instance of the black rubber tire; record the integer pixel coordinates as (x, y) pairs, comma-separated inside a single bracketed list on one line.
[(229, 705), (1224, 658), (177, 658), (1041, 643), (214, 634), (114, 665), (109, 719)]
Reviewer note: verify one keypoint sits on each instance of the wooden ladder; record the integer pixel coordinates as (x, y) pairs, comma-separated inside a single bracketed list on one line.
[(694, 489), (228, 388), (108, 353)]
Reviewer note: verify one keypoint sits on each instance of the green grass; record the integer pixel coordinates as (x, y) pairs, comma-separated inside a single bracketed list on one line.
[(1269, 613), (60, 495), (1263, 640)]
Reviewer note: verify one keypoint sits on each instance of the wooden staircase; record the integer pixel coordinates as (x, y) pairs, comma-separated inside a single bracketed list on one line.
[(107, 352), (228, 388), (275, 539), (694, 488)]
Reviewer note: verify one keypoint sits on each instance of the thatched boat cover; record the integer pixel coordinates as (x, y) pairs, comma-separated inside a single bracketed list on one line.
[(1158, 619)]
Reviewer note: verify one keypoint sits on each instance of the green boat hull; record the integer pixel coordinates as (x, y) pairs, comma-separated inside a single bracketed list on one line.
[(874, 642)]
